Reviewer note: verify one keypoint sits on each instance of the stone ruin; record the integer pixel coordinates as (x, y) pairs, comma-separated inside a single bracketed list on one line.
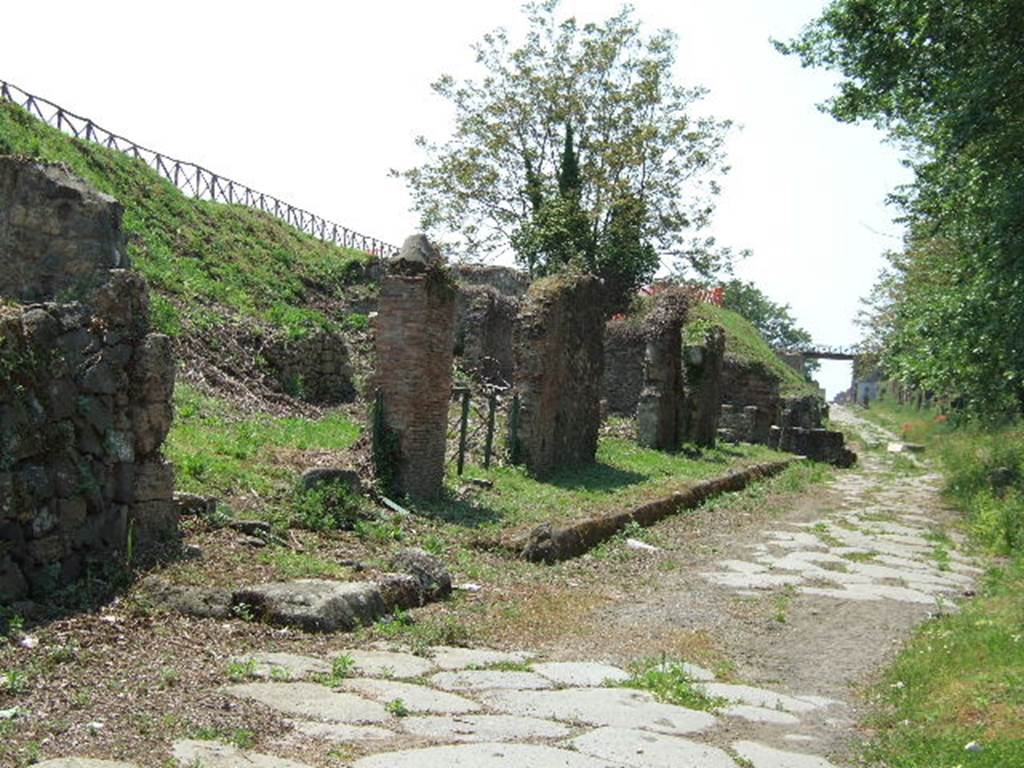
[(414, 338), (660, 416), (85, 388), (623, 378), (559, 354), (703, 388), (315, 368), (485, 319)]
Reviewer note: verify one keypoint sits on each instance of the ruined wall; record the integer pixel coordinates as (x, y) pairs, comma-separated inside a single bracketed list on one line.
[(745, 424), (623, 377), (659, 418), (415, 335), (816, 444), (57, 233), (703, 388), (315, 368), (485, 319), (559, 354), (808, 412), (85, 399), (750, 384), (505, 280)]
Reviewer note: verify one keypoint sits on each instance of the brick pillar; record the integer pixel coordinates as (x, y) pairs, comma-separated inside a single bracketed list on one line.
[(659, 416), (559, 351), (415, 329), (703, 389)]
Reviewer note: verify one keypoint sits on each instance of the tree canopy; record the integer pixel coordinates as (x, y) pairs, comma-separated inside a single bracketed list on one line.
[(946, 81), (575, 146)]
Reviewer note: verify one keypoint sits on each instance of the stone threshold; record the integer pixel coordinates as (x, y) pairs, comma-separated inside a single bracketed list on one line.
[(548, 544)]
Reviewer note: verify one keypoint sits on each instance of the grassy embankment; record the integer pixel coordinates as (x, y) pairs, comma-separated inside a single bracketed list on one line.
[(745, 346), (212, 266), (960, 680)]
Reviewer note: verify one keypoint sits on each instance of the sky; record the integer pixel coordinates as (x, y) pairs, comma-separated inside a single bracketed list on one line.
[(314, 102)]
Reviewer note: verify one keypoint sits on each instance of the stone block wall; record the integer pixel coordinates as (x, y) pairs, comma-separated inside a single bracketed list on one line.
[(703, 388), (750, 384), (816, 444), (505, 280), (746, 424), (57, 234), (623, 378), (85, 389), (485, 319), (660, 407), (559, 354), (807, 412), (85, 405), (414, 339), (315, 368)]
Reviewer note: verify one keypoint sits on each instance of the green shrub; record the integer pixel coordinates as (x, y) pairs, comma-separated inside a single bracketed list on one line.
[(329, 506)]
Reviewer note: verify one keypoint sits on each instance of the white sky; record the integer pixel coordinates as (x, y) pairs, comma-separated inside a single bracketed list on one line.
[(315, 101)]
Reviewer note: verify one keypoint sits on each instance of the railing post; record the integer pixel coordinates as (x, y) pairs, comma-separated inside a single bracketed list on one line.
[(492, 406), (463, 425)]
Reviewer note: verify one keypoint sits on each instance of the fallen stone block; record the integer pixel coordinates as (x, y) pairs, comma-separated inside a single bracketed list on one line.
[(315, 605)]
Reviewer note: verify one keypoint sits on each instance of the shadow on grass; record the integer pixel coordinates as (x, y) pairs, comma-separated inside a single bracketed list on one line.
[(599, 477), (450, 508)]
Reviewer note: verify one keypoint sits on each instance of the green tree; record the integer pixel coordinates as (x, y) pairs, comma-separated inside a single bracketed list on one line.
[(575, 145), (945, 80), (773, 320)]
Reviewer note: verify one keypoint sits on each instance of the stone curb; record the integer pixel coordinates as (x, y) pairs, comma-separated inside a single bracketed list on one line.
[(547, 544)]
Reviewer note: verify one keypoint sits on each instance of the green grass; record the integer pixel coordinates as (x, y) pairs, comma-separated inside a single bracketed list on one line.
[(744, 344), (961, 677), (668, 680), (219, 451), (624, 475), (206, 261)]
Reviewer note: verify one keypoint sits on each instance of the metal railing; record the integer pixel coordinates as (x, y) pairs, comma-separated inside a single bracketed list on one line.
[(192, 179), (823, 351)]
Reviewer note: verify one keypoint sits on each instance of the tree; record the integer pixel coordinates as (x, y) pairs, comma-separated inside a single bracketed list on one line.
[(773, 320), (574, 146), (946, 81)]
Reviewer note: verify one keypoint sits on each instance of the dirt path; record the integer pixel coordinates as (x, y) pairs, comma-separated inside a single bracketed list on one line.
[(791, 606)]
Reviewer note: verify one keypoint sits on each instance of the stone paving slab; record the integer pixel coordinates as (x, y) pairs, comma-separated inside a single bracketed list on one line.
[(312, 702), (486, 755), (580, 674), (761, 756), (464, 728), (417, 698), (372, 663), (642, 749), (83, 762), (619, 707), (760, 714), (489, 679), (212, 754), (288, 666), (341, 733), (761, 697), (449, 657)]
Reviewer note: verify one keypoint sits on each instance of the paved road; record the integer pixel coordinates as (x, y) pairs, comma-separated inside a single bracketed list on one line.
[(862, 568)]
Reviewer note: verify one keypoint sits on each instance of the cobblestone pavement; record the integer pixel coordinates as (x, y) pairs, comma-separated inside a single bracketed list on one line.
[(483, 708)]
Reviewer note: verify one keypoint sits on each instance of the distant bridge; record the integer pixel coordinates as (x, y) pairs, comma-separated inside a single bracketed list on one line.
[(821, 352)]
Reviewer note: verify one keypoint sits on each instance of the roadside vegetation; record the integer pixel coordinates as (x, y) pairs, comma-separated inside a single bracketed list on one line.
[(955, 695), (207, 263)]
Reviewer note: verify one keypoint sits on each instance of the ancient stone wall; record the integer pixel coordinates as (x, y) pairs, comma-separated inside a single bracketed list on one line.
[(703, 388), (816, 444), (315, 368), (623, 378), (745, 424), (750, 384), (85, 389), (559, 354), (808, 412), (505, 280), (415, 337), (484, 322), (660, 408), (57, 234)]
